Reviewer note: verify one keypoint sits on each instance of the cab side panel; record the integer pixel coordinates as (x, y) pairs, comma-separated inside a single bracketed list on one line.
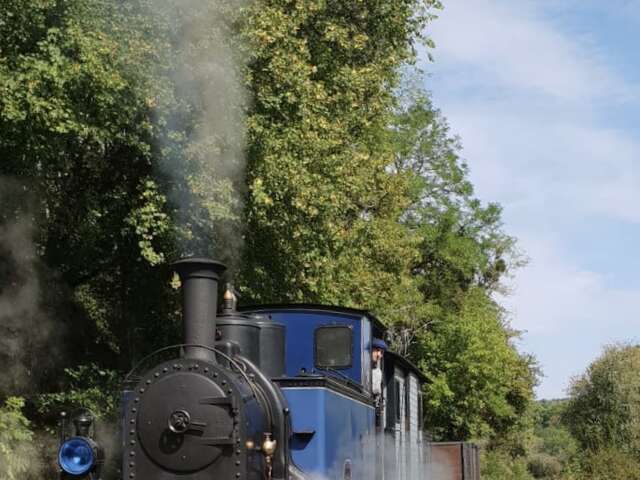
[(331, 432)]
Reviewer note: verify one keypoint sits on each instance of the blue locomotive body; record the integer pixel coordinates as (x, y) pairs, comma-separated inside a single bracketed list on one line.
[(332, 412), (339, 429), (276, 392), (329, 431)]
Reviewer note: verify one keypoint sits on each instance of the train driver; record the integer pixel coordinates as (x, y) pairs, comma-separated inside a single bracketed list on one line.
[(378, 347)]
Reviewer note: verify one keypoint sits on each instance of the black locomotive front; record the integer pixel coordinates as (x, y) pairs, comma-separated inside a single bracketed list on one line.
[(210, 413)]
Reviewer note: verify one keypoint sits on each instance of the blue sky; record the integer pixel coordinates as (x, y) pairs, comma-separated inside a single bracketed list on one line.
[(545, 95)]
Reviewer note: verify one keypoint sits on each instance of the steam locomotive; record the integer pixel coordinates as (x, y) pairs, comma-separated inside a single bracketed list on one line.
[(277, 392)]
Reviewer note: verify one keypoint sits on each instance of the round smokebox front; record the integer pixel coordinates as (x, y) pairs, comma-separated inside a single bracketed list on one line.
[(184, 419)]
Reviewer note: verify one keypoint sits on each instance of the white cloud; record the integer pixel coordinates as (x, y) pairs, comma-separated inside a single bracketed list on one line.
[(533, 161), (552, 295), (567, 313), (511, 46), (529, 103)]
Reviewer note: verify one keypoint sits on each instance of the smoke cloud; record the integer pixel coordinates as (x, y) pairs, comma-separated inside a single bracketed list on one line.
[(29, 340), (204, 151)]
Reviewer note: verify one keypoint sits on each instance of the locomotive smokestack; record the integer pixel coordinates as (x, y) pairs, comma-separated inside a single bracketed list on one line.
[(199, 278)]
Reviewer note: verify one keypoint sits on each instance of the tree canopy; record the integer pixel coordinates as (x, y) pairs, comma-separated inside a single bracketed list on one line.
[(288, 138), (604, 406)]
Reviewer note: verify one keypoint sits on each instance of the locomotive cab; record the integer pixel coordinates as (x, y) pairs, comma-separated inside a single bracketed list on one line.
[(328, 386)]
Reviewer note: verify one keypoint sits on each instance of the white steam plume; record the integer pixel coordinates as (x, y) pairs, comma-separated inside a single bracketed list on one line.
[(30, 341), (369, 454), (204, 156)]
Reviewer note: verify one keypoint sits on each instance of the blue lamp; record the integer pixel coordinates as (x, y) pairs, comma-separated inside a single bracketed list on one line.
[(76, 456)]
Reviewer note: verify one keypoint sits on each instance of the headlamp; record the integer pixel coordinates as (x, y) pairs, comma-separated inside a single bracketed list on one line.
[(77, 456)]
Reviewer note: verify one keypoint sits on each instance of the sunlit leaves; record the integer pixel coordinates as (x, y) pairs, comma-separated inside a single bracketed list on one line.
[(604, 406)]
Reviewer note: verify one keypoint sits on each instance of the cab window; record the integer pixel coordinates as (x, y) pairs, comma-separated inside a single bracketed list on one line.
[(333, 346)]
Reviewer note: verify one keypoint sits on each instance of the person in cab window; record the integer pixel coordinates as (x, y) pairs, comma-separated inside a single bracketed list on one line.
[(378, 347)]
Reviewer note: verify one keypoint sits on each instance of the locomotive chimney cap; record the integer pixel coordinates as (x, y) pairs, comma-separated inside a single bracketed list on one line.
[(200, 267)]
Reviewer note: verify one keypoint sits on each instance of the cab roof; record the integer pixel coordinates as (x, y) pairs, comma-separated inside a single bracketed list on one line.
[(379, 328)]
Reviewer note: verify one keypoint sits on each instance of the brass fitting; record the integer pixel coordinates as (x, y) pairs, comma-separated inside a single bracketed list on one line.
[(268, 445)]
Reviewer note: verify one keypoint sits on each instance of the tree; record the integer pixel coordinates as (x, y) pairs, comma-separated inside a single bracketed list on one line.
[(323, 207), (459, 336), (354, 191), (76, 131), (479, 386), (604, 406)]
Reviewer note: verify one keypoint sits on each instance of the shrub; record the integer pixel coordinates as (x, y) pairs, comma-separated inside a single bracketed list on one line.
[(609, 464), (16, 451), (546, 466), (497, 465)]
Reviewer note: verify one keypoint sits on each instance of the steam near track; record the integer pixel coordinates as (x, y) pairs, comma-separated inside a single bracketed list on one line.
[(30, 339)]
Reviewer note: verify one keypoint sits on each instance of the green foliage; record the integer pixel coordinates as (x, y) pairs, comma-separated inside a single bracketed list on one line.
[(15, 439), (479, 385), (459, 335), (355, 193), (322, 210), (604, 406), (496, 465), (553, 437), (76, 126), (610, 463), (542, 465), (462, 241), (602, 414), (86, 386)]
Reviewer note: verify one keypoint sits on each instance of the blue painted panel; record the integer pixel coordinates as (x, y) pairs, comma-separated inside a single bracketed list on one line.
[(301, 326), (308, 407), (343, 427)]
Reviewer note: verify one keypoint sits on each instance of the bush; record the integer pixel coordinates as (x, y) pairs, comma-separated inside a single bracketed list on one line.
[(497, 465), (16, 451), (546, 466), (605, 402), (87, 386), (610, 464)]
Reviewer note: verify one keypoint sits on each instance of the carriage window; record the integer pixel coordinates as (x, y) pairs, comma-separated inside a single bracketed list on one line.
[(347, 470), (333, 346), (407, 403), (396, 385), (420, 411)]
